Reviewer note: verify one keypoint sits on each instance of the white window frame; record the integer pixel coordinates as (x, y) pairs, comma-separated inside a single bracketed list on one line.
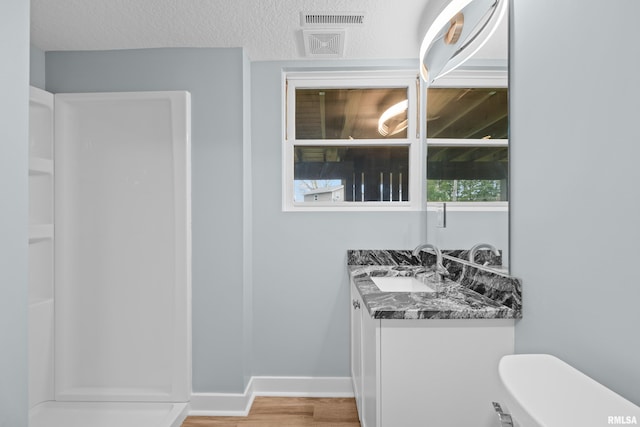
[(468, 78), (353, 79)]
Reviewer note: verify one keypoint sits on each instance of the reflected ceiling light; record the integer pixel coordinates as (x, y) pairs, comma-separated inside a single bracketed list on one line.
[(456, 29), (389, 122)]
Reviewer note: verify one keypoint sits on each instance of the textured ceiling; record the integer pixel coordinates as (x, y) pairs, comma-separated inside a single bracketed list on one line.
[(267, 29)]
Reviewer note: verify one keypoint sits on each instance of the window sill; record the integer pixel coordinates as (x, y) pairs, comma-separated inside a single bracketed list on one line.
[(352, 207), (469, 206)]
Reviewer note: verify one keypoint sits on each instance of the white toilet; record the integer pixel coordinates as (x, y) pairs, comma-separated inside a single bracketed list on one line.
[(544, 391)]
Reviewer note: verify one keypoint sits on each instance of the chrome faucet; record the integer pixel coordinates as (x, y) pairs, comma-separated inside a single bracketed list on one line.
[(475, 248), (440, 269)]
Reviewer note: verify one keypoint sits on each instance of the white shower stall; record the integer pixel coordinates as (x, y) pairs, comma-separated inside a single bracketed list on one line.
[(110, 260)]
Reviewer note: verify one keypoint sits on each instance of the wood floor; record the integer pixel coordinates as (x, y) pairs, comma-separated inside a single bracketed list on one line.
[(289, 412)]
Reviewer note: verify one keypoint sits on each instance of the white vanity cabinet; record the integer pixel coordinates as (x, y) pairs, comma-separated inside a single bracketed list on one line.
[(356, 347), (364, 363), (426, 372)]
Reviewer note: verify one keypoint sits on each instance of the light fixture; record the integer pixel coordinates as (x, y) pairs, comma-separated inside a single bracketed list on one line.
[(456, 29), (391, 122)]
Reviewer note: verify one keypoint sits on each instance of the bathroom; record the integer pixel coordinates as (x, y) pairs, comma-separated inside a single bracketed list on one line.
[(572, 250)]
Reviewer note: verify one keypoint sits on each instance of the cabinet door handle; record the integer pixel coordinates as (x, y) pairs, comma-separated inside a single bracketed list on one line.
[(356, 304)]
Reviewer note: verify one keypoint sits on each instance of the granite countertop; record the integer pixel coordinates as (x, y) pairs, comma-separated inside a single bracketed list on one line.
[(472, 294)]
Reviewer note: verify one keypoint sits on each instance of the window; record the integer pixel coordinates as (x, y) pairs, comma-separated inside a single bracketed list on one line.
[(467, 140), (351, 141)]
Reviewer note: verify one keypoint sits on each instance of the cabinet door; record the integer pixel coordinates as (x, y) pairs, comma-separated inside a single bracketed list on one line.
[(356, 348), (442, 372), (370, 370)]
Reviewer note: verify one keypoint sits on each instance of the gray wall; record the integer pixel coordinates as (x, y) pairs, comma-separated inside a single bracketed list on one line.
[(270, 288), (575, 207), (215, 78), (14, 142), (288, 315), (464, 229), (300, 288), (573, 238), (37, 67), (247, 223)]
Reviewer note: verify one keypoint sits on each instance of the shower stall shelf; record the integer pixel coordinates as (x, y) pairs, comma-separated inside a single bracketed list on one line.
[(110, 257)]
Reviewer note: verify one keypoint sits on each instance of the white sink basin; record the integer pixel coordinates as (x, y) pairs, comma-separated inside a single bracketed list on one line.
[(401, 284)]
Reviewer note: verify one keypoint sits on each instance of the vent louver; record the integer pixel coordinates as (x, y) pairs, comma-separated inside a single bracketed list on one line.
[(324, 43), (331, 19)]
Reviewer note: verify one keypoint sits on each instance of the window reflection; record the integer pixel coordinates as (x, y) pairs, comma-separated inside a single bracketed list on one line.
[(467, 113), (465, 163), (466, 174)]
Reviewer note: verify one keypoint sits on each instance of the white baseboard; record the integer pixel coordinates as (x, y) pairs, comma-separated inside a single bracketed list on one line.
[(222, 404), (239, 404)]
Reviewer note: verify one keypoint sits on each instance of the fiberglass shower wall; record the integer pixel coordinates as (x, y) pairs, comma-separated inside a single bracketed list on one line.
[(115, 225), (122, 247)]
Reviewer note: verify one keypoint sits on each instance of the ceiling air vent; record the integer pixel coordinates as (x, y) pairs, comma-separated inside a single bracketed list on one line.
[(331, 19), (324, 43)]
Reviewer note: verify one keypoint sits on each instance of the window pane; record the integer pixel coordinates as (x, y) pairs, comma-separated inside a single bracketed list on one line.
[(467, 174), (351, 113), (351, 173), (467, 113)]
